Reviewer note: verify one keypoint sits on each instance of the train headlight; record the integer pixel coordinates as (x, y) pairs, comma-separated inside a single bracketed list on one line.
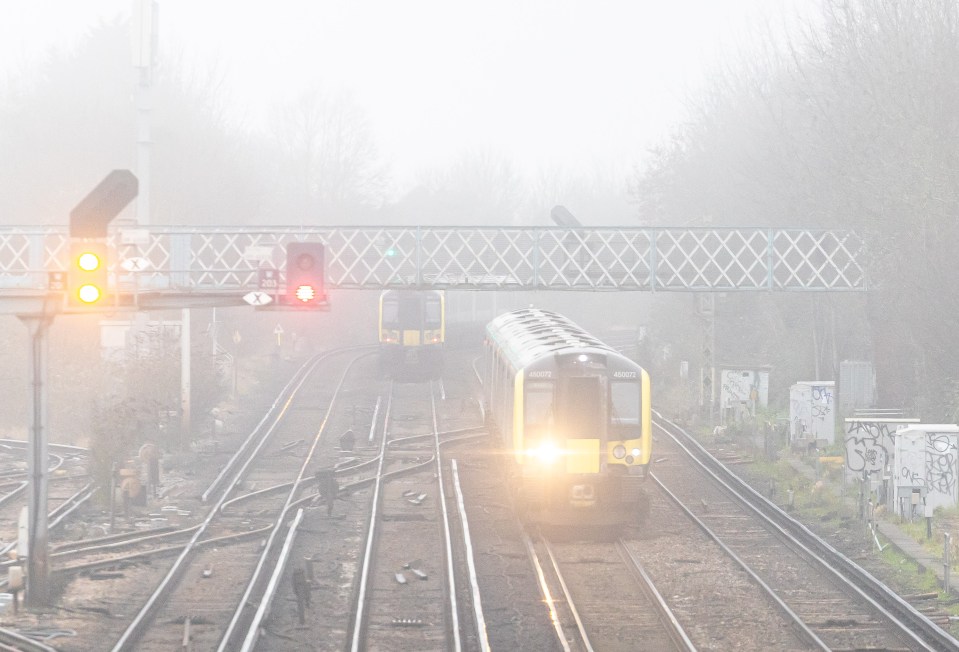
[(629, 459), (635, 452), (547, 452), (619, 452), (391, 337)]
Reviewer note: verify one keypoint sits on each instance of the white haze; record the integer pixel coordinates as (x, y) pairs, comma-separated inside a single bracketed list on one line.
[(574, 84)]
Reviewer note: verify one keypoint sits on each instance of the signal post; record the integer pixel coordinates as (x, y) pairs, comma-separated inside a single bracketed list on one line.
[(85, 287)]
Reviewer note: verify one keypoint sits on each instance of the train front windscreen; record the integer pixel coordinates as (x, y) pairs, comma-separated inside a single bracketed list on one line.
[(412, 312)]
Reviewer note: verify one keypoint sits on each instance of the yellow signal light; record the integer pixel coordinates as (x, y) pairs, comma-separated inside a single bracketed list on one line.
[(88, 261), (87, 276), (88, 293)]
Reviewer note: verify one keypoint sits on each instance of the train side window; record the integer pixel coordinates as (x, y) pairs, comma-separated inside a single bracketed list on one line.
[(624, 403), (539, 403)]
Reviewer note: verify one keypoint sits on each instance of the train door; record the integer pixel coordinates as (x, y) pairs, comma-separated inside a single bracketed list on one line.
[(581, 407), (410, 316), (583, 422)]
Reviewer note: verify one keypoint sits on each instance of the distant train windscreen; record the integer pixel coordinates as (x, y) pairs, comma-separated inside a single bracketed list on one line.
[(412, 311)]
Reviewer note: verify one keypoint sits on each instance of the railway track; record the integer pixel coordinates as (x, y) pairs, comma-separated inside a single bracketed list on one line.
[(214, 610), (69, 485), (388, 559), (203, 544), (267, 520), (601, 598), (824, 597), (427, 614)]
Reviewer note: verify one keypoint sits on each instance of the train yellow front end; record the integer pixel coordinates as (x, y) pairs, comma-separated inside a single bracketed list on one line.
[(412, 333), (575, 416)]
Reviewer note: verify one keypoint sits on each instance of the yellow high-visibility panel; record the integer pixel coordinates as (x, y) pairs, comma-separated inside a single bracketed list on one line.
[(582, 456)]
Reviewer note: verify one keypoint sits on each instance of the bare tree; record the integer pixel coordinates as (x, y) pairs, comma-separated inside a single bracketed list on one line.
[(852, 124), (72, 120), (479, 187), (329, 169)]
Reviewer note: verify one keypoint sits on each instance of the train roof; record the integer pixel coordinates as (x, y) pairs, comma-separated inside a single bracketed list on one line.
[(409, 292), (529, 334)]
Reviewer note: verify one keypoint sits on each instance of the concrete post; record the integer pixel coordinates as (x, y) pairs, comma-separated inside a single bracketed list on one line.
[(38, 571), (947, 563)]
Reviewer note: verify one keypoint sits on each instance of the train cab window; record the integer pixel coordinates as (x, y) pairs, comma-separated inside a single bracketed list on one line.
[(410, 312), (391, 312), (539, 403), (583, 414), (624, 403)]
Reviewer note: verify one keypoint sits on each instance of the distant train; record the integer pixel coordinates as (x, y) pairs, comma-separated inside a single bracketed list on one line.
[(575, 416), (412, 331)]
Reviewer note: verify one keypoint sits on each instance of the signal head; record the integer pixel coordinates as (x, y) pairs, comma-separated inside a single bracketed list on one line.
[(87, 275), (304, 274)]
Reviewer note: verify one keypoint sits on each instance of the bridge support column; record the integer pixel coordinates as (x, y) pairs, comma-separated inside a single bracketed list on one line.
[(706, 307)]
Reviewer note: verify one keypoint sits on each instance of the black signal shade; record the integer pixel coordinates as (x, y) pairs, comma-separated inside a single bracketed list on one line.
[(305, 274)]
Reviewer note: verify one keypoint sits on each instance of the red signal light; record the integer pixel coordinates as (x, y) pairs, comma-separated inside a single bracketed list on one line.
[(304, 274), (305, 293)]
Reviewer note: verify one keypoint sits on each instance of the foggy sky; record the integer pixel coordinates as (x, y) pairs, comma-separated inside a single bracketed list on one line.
[(546, 83)]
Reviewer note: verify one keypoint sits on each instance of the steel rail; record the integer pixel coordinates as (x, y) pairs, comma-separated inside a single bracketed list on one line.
[(10, 495), (804, 631), (253, 633), (141, 621), (447, 537), (26, 483), (67, 448), (676, 631), (844, 570), (356, 640), (251, 439), (570, 602), (73, 501), (156, 552), (547, 595), (12, 640), (481, 634), (68, 506), (227, 642)]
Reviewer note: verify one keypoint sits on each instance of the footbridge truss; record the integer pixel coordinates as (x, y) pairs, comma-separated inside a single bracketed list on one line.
[(188, 263)]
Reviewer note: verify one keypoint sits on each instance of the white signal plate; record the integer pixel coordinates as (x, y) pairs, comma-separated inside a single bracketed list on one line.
[(258, 252), (135, 264), (257, 298)]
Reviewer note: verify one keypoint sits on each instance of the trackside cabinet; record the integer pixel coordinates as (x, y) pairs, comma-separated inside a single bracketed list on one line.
[(926, 465), (812, 412)]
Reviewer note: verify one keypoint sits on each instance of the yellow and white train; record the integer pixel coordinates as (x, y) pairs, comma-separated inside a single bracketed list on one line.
[(574, 415), (412, 333)]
